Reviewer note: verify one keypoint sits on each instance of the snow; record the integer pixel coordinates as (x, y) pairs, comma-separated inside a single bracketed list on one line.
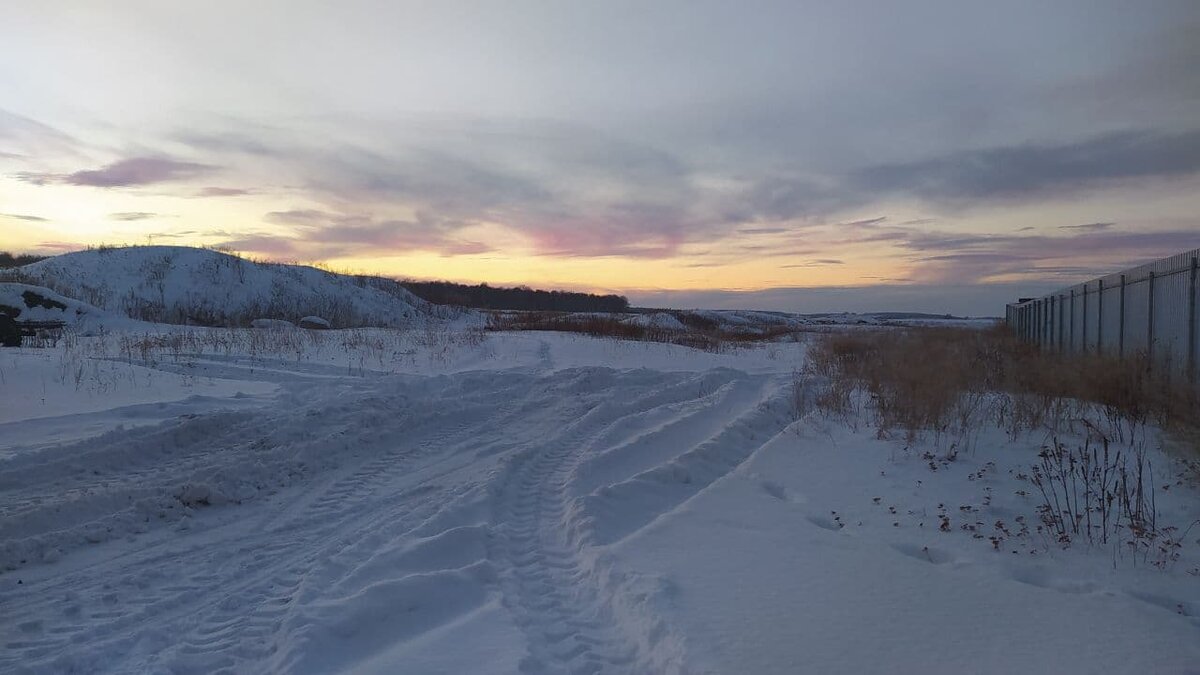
[(439, 499), (660, 320), (271, 323), (790, 590)]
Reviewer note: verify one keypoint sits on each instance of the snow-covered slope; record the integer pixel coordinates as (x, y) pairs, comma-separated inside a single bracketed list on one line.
[(175, 284), (24, 302)]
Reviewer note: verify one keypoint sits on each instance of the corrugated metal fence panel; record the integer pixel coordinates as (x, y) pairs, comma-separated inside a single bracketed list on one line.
[(1170, 319), (1091, 316), (1147, 309), (1137, 316), (1075, 325), (1110, 324)]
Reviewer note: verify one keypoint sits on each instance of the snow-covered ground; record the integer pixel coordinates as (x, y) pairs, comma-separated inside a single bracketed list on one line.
[(452, 501)]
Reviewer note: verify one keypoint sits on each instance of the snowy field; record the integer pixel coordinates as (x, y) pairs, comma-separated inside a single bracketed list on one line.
[(381, 501)]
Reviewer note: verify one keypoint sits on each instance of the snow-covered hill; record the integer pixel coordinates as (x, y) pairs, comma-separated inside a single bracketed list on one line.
[(181, 285)]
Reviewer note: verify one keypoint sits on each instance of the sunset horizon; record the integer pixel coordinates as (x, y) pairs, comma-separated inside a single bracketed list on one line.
[(695, 155)]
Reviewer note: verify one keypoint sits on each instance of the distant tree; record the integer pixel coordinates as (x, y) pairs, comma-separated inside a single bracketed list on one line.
[(484, 296), (9, 260), (10, 332)]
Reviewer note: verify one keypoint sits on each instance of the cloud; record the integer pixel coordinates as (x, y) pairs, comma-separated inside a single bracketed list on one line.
[(1036, 170), (171, 235), (1082, 254), (272, 246), (571, 190), (23, 138), (131, 215), (22, 216), (129, 172), (822, 262), (59, 246), (568, 189), (869, 222), (1090, 227), (762, 230), (321, 234), (223, 192)]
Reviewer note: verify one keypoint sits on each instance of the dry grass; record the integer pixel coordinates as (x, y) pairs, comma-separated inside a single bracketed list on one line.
[(699, 333), (950, 380), (955, 383), (603, 326)]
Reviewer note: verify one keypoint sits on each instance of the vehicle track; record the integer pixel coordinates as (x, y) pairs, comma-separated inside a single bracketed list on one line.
[(557, 586), (235, 595)]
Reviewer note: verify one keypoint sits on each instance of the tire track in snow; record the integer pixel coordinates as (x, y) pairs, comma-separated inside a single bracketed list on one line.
[(257, 583), (563, 593), (258, 580), (240, 596)]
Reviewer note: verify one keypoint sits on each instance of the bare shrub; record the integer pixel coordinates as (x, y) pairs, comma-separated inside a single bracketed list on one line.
[(1093, 493), (698, 332), (606, 326)]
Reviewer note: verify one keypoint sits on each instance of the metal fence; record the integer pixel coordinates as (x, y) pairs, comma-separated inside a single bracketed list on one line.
[(1148, 311)]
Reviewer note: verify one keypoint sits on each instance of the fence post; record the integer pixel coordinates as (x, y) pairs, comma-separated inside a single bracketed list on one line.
[(1121, 330), (1037, 321), (1072, 342), (1192, 325), (1150, 323), (1083, 343), (1061, 329), (1045, 324), (1100, 317), (1053, 324)]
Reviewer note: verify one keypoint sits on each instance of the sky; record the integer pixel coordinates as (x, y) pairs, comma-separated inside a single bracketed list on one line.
[(804, 156)]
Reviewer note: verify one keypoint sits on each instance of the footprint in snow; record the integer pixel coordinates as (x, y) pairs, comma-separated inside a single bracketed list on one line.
[(825, 523), (924, 553)]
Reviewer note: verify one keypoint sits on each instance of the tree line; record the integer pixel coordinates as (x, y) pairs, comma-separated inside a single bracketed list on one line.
[(484, 296), (9, 260)]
